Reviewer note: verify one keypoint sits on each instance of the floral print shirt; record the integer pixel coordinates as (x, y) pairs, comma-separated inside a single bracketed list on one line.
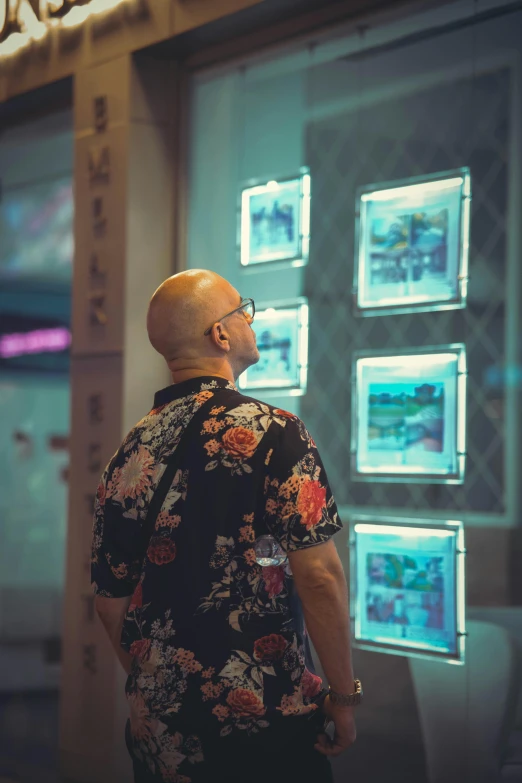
[(218, 642)]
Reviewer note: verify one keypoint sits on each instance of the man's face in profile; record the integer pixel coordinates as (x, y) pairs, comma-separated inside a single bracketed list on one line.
[(244, 351)]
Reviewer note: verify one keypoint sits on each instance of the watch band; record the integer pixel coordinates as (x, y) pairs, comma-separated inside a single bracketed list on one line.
[(347, 699)]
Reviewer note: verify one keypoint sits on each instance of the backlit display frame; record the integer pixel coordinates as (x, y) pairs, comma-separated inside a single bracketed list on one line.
[(282, 339), (407, 593), (412, 244), (409, 415), (36, 232), (274, 220)]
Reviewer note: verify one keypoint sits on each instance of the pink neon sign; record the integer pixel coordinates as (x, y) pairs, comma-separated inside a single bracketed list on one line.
[(39, 341)]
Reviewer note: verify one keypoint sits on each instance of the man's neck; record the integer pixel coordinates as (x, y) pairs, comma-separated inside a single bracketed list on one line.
[(178, 376)]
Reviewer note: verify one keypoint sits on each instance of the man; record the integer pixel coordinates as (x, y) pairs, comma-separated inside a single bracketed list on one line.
[(221, 687)]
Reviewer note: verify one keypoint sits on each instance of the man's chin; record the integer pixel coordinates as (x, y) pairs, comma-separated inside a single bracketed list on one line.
[(252, 359), (249, 362)]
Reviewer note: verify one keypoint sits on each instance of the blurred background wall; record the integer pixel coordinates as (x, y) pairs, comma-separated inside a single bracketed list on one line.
[(36, 253)]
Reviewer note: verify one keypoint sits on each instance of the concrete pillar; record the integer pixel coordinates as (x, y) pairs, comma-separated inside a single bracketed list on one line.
[(124, 216)]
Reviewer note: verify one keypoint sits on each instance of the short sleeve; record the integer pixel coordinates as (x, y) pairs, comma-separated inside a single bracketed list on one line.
[(117, 546), (300, 510)]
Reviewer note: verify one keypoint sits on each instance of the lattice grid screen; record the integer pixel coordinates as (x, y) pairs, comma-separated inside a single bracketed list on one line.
[(447, 126)]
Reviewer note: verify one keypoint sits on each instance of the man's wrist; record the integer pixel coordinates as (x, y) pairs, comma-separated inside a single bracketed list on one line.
[(340, 708), (338, 685), (351, 698)]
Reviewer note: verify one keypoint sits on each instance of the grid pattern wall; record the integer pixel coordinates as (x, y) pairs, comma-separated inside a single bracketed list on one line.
[(463, 123)]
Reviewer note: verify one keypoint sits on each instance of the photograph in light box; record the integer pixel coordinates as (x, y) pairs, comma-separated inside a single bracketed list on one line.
[(274, 221), (408, 586), (413, 241), (36, 234), (408, 415), (282, 339)]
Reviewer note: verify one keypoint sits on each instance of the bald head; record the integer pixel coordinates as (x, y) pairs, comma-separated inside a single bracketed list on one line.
[(183, 307)]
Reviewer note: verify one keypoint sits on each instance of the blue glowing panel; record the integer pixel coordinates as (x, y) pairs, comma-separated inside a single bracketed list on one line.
[(36, 232), (408, 587), (282, 340), (409, 416), (412, 249), (274, 222)]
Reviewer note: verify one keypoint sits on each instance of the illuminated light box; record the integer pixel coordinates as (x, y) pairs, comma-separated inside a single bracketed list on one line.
[(36, 232), (282, 339), (412, 244), (409, 415), (274, 220), (408, 587)]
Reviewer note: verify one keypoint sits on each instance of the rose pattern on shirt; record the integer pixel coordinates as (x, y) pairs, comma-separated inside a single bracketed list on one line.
[(208, 628)]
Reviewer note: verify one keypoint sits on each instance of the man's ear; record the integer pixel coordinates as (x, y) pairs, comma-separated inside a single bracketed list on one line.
[(220, 337)]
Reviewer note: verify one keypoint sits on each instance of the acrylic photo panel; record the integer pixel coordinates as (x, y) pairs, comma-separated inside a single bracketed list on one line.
[(408, 415), (36, 232), (407, 586), (412, 244), (282, 339), (274, 220)]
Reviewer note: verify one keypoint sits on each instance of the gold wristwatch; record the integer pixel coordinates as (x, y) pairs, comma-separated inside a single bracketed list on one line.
[(347, 699)]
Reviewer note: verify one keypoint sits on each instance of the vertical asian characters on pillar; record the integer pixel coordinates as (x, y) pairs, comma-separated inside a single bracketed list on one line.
[(89, 666), (99, 170)]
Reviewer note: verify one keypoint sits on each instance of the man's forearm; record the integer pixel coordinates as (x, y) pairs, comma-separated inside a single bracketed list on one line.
[(325, 604)]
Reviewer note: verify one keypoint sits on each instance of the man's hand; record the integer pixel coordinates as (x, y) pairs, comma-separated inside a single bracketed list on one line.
[(344, 734)]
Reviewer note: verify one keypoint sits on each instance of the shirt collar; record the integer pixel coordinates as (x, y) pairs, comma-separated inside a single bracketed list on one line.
[(194, 385)]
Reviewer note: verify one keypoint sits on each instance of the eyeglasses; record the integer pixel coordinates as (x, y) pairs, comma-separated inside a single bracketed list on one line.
[(247, 307)]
